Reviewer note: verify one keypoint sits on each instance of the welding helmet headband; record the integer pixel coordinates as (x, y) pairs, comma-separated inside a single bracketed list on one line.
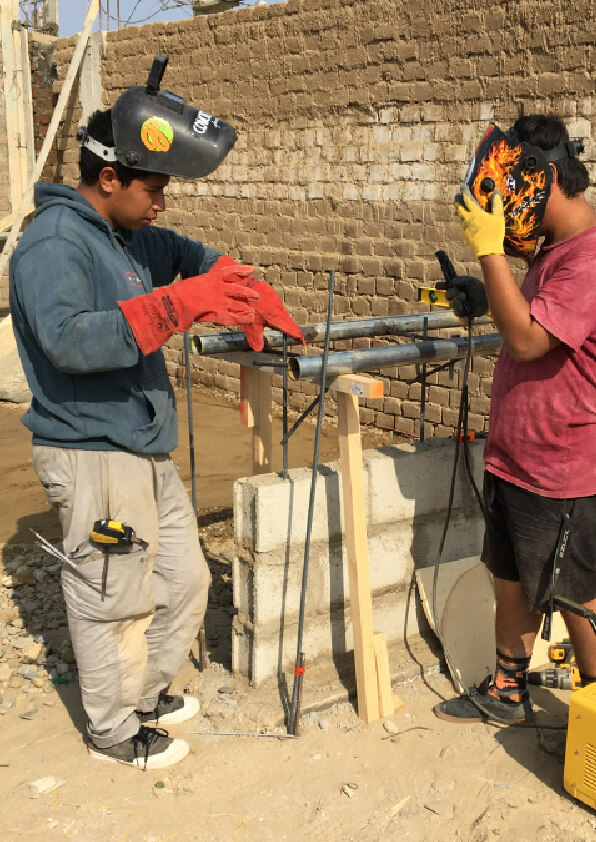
[(156, 131)]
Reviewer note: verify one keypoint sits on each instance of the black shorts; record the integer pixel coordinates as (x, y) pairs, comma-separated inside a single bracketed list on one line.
[(521, 535)]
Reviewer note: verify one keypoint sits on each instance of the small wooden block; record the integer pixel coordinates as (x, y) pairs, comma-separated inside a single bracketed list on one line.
[(386, 703), (360, 385), (397, 703)]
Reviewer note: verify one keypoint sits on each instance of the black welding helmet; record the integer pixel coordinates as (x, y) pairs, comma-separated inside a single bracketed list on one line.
[(156, 131), (522, 174)]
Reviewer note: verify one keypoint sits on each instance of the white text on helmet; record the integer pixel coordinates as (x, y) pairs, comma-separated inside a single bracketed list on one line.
[(201, 123)]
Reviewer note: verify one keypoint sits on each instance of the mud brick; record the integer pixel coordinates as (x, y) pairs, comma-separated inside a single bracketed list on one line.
[(366, 286), (480, 405), (380, 307), (384, 421), (410, 409), (406, 426), (438, 395), (392, 406)]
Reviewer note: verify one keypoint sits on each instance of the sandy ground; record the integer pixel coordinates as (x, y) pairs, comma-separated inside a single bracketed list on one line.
[(412, 777)]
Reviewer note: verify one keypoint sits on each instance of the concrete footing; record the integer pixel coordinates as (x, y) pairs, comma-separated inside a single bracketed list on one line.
[(406, 495)]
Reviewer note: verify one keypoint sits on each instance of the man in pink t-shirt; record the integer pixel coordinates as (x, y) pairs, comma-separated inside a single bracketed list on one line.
[(540, 456)]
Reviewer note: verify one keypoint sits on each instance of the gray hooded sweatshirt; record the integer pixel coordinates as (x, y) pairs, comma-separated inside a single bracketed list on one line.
[(92, 388)]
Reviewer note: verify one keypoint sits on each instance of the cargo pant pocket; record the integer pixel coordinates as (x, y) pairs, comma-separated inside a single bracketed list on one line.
[(128, 583)]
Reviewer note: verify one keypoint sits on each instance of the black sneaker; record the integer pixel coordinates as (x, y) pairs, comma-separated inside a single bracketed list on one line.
[(480, 706), (149, 748), (170, 710)]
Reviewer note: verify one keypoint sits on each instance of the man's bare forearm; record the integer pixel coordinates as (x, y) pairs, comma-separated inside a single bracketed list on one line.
[(523, 335)]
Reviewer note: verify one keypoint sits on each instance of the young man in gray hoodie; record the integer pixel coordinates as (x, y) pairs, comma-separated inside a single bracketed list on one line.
[(92, 303)]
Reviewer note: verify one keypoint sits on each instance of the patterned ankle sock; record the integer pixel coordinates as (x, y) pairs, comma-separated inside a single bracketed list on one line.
[(587, 679), (511, 679)]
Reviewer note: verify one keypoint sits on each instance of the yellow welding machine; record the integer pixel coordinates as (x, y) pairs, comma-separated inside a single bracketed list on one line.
[(579, 776)]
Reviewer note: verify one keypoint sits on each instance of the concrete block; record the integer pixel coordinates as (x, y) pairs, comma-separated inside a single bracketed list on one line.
[(412, 480), (406, 494), (262, 652), (270, 513)]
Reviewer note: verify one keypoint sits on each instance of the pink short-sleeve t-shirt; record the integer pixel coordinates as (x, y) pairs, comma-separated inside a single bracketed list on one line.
[(543, 412)]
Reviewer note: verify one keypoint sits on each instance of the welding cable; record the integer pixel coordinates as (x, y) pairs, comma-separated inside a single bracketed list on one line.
[(462, 426)]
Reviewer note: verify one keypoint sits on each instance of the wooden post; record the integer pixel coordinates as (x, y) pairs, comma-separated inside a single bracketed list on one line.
[(13, 101), (262, 433), (255, 412), (371, 659), (350, 450), (50, 135)]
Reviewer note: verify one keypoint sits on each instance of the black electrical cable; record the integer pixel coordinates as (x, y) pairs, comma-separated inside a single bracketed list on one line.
[(462, 424)]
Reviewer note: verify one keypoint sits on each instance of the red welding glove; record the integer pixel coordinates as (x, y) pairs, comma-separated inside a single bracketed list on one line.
[(269, 310), (211, 297)]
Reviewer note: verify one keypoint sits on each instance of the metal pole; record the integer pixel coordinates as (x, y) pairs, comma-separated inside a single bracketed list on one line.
[(423, 385), (191, 433), (228, 341), (368, 359), (285, 408), (299, 665)]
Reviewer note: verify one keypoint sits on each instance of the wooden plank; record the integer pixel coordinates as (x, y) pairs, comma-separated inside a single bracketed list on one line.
[(255, 413), (350, 448), (386, 704), (8, 221), (249, 396), (50, 135), (262, 431), (11, 62), (29, 137), (360, 385)]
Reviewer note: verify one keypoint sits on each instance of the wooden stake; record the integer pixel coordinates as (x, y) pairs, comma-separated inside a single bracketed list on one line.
[(255, 413), (249, 396), (350, 448), (50, 135), (262, 433), (386, 704)]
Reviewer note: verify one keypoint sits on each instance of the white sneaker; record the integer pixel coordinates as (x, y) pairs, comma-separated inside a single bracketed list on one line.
[(170, 710), (149, 748)]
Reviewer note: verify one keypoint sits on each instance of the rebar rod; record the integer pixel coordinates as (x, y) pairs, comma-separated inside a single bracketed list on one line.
[(191, 426), (368, 359), (227, 341), (294, 717)]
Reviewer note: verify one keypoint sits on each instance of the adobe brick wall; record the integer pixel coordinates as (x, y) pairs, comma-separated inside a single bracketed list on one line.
[(356, 120)]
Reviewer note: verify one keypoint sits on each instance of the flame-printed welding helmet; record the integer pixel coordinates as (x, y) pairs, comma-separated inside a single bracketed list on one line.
[(156, 131), (522, 174)]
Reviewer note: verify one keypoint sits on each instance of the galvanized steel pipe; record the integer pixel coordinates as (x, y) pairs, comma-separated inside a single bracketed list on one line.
[(227, 341), (368, 359)]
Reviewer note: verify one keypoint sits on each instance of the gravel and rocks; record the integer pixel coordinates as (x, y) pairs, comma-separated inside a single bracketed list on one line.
[(35, 645)]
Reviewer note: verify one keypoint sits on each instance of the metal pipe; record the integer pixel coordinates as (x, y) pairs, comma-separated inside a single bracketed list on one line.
[(367, 359), (224, 342)]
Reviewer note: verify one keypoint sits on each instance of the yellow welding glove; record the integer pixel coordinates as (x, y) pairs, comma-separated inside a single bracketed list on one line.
[(484, 231)]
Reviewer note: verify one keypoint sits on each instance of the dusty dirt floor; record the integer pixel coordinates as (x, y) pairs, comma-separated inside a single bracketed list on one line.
[(410, 777)]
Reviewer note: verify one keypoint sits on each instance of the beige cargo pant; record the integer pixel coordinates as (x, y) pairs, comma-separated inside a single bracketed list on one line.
[(132, 614)]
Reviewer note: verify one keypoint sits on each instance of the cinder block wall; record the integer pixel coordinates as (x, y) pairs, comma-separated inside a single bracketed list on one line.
[(356, 120), (406, 493)]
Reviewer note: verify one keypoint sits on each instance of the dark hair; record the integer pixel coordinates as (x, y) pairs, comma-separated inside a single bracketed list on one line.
[(90, 165), (547, 133)]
